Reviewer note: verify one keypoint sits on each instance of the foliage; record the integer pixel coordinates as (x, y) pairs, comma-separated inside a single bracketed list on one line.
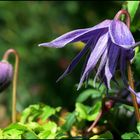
[(40, 121)]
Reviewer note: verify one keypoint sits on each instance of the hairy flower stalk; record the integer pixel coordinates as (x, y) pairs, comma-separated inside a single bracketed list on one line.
[(5, 58), (130, 74)]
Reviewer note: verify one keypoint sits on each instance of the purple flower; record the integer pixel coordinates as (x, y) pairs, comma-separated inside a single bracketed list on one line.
[(6, 75), (109, 43)]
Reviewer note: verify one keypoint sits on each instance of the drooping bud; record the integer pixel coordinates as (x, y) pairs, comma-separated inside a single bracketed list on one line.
[(6, 74)]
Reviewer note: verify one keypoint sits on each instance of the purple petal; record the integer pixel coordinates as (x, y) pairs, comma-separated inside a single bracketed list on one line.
[(103, 77), (76, 35), (111, 62), (95, 56), (83, 68), (123, 65), (75, 60), (102, 64), (130, 54), (120, 34)]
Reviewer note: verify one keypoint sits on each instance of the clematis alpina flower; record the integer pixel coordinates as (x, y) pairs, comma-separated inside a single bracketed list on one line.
[(109, 43), (6, 74)]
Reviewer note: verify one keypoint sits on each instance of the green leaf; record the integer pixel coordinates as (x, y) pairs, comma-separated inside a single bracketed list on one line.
[(52, 126), (70, 120), (82, 110), (86, 112), (61, 135), (48, 111), (138, 127), (94, 111), (1, 134), (30, 135), (14, 131), (132, 8), (38, 110), (46, 135), (30, 113), (17, 126), (13, 134), (131, 135), (102, 86), (88, 93), (17, 131), (127, 107), (49, 132), (34, 127), (107, 135), (24, 115)]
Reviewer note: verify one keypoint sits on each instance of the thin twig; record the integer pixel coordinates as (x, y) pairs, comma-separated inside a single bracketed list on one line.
[(96, 121), (5, 57), (134, 99)]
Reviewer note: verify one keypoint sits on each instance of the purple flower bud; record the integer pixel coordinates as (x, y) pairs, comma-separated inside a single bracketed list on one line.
[(6, 75)]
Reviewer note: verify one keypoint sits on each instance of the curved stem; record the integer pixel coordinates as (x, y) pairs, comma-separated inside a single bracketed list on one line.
[(134, 99), (96, 121), (16, 67), (130, 75), (118, 15)]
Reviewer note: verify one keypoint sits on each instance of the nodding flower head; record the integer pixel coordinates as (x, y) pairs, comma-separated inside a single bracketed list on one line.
[(109, 43), (6, 75)]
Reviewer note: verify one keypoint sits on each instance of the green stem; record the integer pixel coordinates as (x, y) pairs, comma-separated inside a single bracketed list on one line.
[(16, 67)]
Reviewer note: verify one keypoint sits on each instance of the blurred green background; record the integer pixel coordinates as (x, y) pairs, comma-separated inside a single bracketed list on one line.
[(23, 25)]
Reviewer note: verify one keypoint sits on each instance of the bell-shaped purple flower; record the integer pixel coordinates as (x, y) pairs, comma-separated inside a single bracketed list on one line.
[(109, 43), (6, 75)]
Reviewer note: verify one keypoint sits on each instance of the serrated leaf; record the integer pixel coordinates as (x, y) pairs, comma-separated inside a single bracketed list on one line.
[(132, 8)]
